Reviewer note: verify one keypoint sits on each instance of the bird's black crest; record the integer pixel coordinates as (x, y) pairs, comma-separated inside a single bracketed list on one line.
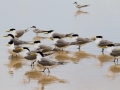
[(12, 29), (10, 35), (99, 37), (33, 27), (41, 53), (37, 42), (26, 48), (74, 35)]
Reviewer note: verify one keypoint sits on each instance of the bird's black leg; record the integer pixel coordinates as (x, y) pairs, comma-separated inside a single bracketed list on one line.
[(32, 64), (48, 70), (117, 60), (44, 70), (102, 50), (114, 60), (79, 47)]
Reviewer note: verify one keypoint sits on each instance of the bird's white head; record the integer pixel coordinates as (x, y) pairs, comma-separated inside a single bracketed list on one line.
[(11, 45), (75, 36), (39, 55), (36, 44), (98, 39), (75, 3), (110, 47), (12, 31)]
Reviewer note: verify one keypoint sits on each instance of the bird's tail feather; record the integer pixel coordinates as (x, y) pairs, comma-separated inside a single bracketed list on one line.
[(61, 63)]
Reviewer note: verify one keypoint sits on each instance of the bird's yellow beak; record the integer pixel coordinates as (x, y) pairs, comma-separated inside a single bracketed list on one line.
[(93, 38), (33, 54), (51, 38), (69, 36), (8, 31), (5, 36), (19, 48), (31, 43), (7, 44), (45, 32)]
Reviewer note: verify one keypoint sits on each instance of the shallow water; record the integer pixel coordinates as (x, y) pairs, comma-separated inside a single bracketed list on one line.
[(87, 69)]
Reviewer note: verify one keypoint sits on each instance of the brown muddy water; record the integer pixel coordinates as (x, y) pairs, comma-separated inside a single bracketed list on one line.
[(87, 69)]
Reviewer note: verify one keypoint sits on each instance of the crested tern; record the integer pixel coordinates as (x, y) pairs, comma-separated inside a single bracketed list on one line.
[(29, 54), (79, 6), (16, 40), (36, 30), (60, 43), (52, 34), (44, 48), (80, 41), (45, 62), (12, 49), (103, 43), (17, 33), (115, 52)]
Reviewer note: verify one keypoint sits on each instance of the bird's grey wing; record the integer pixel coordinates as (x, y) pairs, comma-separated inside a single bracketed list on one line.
[(30, 57), (42, 46), (31, 52), (19, 33), (84, 6), (58, 35), (18, 42), (46, 62), (47, 49), (37, 30), (61, 41), (55, 35), (104, 43), (115, 52), (61, 35), (62, 44), (78, 6), (84, 40)]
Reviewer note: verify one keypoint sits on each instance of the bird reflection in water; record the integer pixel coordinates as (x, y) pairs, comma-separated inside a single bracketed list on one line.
[(79, 12), (14, 64), (79, 55), (103, 58), (36, 38), (33, 74), (114, 70), (47, 80), (62, 56), (42, 79)]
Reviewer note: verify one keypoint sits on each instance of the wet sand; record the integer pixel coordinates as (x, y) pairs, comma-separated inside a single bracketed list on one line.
[(87, 69)]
